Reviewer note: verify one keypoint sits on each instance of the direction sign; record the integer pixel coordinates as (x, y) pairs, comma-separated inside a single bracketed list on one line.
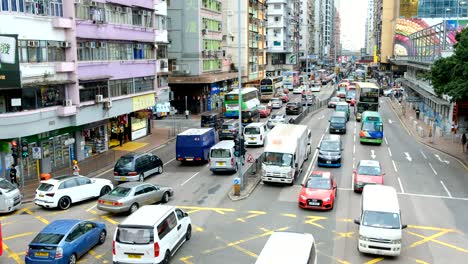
[(236, 180), (250, 158), (36, 153)]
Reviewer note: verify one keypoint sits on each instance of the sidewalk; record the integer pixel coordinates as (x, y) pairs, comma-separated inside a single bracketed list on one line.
[(105, 161), (448, 144)]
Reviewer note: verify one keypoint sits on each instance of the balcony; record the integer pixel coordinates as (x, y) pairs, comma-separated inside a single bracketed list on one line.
[(60, 22), (64, 111), (116, 69), (276, 12), (149, 4), (87, 30), (160, 8), (162, 66), (64, 66), (276, 24)]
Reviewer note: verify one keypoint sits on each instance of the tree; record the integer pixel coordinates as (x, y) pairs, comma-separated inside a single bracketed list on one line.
[(450, 75)]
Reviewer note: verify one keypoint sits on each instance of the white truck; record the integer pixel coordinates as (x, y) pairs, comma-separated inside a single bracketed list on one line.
[(287, 147)]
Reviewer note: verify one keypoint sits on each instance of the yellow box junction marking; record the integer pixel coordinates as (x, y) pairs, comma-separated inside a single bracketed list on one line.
[(241, 249), (289, 215), (38, 217), (438, 241), (105, 217), (372, 261), (343, 235), (186, 260), (197, 209), (252, 214), (18, 235), (312, 220), (11, 254), (333, 258)]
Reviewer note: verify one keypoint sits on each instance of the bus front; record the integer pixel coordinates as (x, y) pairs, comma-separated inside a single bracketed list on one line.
[(371, 128), (266, 90), (367, 99), (231, 105)]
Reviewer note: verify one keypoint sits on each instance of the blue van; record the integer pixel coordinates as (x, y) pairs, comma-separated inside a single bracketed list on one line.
[(194, 144)]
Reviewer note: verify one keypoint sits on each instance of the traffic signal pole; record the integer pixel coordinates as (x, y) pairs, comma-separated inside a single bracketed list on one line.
[(239, 82), (20, 161)]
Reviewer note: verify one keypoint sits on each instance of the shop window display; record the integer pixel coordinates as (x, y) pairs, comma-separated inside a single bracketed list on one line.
[(95, 141), (119, 131)]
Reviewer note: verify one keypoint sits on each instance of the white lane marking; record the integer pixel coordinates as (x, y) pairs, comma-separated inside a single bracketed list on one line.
[(326, 130), (354, 149), (386, 142), (310, 166), (169, 161), (422, 153), (394, 166), (440, 159), (430, 165), (189, 178), (354, 130), (104, 172), (422, 195), (401, 185), (321, 117), (354, 138), (390, 121), (389, 151), (445, 187), (345, 189), (320, 140), (372, 154), (408, 157), (352, 181), (355, 123)]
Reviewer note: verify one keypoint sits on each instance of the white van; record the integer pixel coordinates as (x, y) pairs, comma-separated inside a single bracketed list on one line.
[(380, 225), (10, 197), (300, 248), (222, 157), (254, 134), (151, 235)]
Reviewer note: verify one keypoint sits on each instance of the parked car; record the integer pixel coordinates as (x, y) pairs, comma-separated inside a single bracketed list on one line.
[(284, 98), (318, 191), (333, 101), (264, 110), (137, 166), (62, 191), (10, 197), (229, 130), (214, 120), (298, 89), (276, 103), (65, 241), (130, 196), (294, 108), (276, 119), (367, 172)]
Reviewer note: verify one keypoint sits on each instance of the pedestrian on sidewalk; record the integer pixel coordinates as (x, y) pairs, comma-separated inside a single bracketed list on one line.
[(187, 112), (75, 168), (13, 174), (463, 141), (417, 112)]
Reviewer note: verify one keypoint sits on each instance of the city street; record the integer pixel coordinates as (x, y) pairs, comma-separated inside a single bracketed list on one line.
[(431, 189)]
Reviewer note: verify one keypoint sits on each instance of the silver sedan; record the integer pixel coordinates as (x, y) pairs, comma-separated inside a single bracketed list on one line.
[(129, 196)]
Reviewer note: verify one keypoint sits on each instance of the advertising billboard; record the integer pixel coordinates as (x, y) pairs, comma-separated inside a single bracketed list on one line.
[(9, 64), (408, 8)]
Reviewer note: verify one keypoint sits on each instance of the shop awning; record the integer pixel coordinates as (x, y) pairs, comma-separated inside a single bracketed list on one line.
[(46, 83), (95, 78), (204, 78)]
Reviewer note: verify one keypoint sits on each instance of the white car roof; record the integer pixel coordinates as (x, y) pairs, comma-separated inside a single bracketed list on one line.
[(370, 163)]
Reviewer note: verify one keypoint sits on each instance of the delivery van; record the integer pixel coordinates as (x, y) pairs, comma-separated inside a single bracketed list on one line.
[(222, 157)]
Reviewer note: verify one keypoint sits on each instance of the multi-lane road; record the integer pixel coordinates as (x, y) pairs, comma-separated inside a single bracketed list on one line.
[(432, 190)]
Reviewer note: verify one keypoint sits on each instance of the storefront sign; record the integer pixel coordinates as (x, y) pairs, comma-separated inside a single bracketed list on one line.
[(163, 107), (143, 102), (72, 152), (9, 65)]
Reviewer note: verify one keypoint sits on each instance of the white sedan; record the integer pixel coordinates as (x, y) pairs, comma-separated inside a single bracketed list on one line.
[(62, 191), (276, 103), (276, 119), (298, 89)]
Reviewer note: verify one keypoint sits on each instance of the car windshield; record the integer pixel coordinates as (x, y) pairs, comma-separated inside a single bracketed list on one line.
[(120, 191), (369, 170), (252, 131), (341, 108), (45, 187), (371, 127), (278, 159), (134, 236), (318, 183), (338, 120), (220, 153), (246, 114), (381, 219), (6, 185), (351, 93), (291, 105), (207, 118), (261, 107), (47, 238), (124, 163), (330, 146), (275, 100), (335, 99)]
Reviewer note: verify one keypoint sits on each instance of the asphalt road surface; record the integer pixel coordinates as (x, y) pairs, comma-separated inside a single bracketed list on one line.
[(432, 193)]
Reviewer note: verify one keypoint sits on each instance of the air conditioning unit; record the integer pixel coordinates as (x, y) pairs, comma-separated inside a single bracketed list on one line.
[(141, 12), (99, 98), (210, 52), (67, 102), (87, 44), (65, 44), (203, 53), (203, 31), (108, 104), (94, 3), (175, 68), (33, 43)]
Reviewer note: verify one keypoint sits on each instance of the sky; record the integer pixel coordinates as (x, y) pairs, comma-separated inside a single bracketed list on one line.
[(353, 19)]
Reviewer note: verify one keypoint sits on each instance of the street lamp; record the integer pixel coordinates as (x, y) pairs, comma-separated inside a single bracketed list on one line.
[(239, 80)]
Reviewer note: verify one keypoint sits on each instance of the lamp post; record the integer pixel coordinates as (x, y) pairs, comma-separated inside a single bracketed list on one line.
[(239, 85)]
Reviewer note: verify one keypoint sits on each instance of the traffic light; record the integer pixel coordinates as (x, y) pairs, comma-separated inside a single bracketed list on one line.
[(24, 148), (242, 147), (237, 147), (14, 149)]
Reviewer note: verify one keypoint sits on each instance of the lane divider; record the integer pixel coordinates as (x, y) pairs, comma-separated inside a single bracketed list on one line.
[(430, 165), (446, 189), (401, 185), (394, 166)]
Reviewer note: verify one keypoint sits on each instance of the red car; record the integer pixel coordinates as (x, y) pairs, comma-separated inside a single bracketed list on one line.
[(318, 192), (367, 172), (284, 98), (264, 111), (286, 90)]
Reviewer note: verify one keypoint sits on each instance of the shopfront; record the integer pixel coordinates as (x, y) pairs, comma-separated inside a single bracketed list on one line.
[(140, 124), (95, 139), (214, 98), (118, 129)]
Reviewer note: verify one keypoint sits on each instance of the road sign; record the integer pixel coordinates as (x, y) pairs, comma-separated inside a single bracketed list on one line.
[(250, 158), (36, 153), (236, 180)]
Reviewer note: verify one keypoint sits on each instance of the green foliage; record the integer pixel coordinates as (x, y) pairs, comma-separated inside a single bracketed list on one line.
[(450, 75)]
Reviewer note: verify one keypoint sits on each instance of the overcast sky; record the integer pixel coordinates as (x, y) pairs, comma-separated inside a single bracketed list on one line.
[(353, 19)]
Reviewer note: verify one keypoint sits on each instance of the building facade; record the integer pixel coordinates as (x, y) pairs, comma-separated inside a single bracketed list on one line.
[(306, 36), (163, 94), (442, 8), (336, 41), (283, 40), (369, 41), (88, 78), (198, 56)]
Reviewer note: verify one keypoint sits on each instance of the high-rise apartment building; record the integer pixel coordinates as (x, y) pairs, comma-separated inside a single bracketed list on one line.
[(323, 24), (306, 36), (335, 50), (369, 40), (385, 12), (88, 75)]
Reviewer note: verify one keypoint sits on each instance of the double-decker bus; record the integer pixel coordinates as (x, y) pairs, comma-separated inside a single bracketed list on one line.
[(290, 79), (249, 100), (269, 87), (361, 75), (371, 128), (367, 98)]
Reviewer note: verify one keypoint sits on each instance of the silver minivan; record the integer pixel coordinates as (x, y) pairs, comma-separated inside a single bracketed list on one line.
[(10, 197), (222, 157), (254, 134)]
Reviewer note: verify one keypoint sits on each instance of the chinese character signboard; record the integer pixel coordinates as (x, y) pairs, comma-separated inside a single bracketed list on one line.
[(408, 8), (143, 102), (9, 65)]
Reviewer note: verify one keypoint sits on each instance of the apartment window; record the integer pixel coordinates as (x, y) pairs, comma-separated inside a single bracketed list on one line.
[(40, 51), (95, 50), (160, 23), (214, 5), (211, 44), (89, 91), (212, 25), (121, 87), (36, 7), (211, 65), (277, 18), (162, 52), (277, 6)]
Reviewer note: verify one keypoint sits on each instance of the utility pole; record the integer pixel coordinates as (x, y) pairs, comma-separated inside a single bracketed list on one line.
[(239, 77)]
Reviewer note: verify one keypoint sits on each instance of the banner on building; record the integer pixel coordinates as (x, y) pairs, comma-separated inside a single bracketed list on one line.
[(376, 59), (408, 8), (9, 64)]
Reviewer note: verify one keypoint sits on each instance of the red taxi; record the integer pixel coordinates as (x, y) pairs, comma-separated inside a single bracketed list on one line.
[(284, 98), (264, 110), (367, 172), (318, 191)]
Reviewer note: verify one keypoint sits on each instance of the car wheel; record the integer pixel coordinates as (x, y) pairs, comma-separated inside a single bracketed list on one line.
[(133, 208), (105, 190), (64, 203), (102, 237), (165, 197), (167, 257), (72, 259), (160, 169), (188, 234), (141, 178)]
